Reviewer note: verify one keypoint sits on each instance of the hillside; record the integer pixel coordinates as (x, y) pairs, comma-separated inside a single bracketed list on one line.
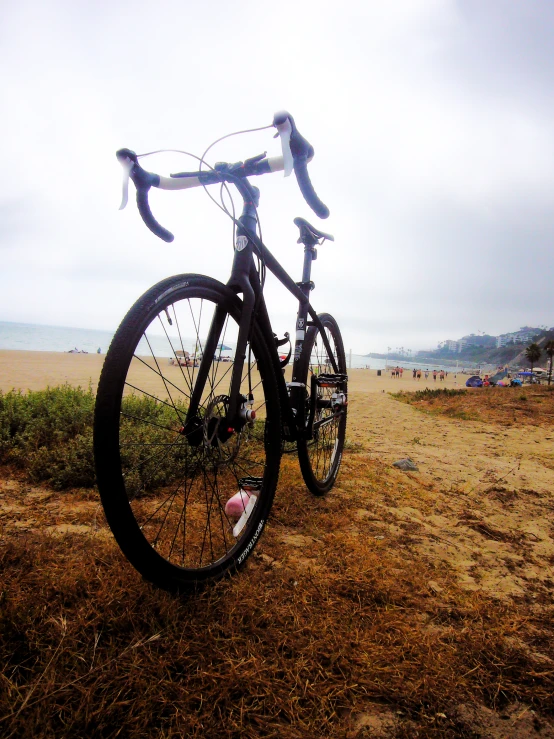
[(512, 354)]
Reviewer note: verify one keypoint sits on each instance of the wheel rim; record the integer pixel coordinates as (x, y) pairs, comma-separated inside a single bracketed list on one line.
[(329, 418), (177, 481)]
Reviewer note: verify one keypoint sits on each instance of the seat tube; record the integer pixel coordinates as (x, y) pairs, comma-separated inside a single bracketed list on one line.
[(302, 316)]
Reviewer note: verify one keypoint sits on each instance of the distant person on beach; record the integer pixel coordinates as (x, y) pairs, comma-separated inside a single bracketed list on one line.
[(98, 351), (435, 375), (441, 376), (426, 373), (414, 371), (418, 374)]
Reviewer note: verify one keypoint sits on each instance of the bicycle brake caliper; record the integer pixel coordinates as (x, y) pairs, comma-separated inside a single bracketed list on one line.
[(335, 403), (247, 415)]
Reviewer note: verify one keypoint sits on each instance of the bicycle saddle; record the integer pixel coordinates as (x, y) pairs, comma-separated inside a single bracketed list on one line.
[(309, 235)]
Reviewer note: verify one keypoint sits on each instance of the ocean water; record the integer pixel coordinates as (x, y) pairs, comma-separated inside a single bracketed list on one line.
[(33, 337)]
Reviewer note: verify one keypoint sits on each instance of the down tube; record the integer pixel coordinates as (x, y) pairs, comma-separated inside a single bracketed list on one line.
[(285, 279), (262, 317)]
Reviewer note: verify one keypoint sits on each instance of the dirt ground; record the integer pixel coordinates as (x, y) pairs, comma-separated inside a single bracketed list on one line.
[(483, 496), (476, 518)]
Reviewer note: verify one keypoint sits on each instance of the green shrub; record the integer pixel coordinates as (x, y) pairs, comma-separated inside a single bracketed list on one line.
[(48, 433), (439, 393), (145, 423), (65, 466), (44, 418)]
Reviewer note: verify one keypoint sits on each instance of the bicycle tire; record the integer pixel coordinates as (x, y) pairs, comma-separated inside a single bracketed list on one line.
[(320, 457), (164, 489)]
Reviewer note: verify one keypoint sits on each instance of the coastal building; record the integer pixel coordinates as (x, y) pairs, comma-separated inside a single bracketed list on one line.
[(523, 336)]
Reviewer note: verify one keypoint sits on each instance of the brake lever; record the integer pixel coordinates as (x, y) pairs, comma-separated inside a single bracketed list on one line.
[(284, 131), (297, 152), (143, 181), (127, 165)]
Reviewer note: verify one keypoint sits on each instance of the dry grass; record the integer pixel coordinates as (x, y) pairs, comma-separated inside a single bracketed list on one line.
[(331, 630), (291, 648), (529, 405)]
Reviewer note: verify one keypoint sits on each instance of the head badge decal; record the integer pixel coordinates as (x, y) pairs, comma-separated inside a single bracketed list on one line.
[(242, 241)]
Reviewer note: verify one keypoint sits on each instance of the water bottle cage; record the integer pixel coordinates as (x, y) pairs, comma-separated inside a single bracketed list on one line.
[(282, 342)]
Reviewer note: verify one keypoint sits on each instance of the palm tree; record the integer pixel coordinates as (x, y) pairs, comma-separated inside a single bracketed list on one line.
[(549, 349), (533, 353)]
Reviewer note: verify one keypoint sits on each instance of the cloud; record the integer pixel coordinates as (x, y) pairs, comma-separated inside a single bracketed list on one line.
[(432, 128)]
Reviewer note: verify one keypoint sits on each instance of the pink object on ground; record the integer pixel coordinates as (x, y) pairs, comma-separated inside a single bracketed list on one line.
[(235, 506)]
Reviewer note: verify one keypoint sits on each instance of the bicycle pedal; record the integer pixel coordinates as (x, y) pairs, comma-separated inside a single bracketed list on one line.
[(330, 380), (251, 484)]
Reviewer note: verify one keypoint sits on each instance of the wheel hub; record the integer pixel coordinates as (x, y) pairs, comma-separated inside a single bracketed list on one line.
[(221, 443)]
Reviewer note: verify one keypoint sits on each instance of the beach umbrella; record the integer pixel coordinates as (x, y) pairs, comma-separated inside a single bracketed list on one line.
[(224, 348), (499, 376)]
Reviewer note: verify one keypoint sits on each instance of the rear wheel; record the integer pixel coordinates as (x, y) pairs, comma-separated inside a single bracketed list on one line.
[(326, 404), (164, 474)]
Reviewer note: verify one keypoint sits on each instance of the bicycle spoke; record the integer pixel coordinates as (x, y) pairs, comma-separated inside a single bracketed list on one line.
[(178, 463), (176, 387), (320, 456)]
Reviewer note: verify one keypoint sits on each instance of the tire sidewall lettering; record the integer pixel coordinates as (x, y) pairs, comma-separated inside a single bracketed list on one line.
[(251, 543), (171, 289)]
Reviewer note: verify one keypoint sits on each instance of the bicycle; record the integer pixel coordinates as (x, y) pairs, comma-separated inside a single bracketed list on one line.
[(187, 446)]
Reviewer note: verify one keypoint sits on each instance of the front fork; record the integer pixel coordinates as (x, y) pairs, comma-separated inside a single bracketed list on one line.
[(238, 413)]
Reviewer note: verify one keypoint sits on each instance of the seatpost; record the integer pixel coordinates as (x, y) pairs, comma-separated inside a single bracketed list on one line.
[(296, 387), (310, 254)]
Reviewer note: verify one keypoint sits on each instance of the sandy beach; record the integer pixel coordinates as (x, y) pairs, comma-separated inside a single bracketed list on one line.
[(27, 370), (24, 370)]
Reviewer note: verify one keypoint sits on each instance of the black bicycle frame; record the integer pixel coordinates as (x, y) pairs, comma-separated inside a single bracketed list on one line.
[(245, 279)]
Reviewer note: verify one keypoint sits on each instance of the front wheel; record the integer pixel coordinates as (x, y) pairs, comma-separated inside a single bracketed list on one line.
[(320, 452), (167, 462)]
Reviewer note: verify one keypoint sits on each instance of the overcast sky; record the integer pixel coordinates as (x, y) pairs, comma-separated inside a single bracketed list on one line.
[(431, 121)]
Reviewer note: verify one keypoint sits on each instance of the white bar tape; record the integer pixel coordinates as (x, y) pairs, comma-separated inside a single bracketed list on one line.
[(275, 164)]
